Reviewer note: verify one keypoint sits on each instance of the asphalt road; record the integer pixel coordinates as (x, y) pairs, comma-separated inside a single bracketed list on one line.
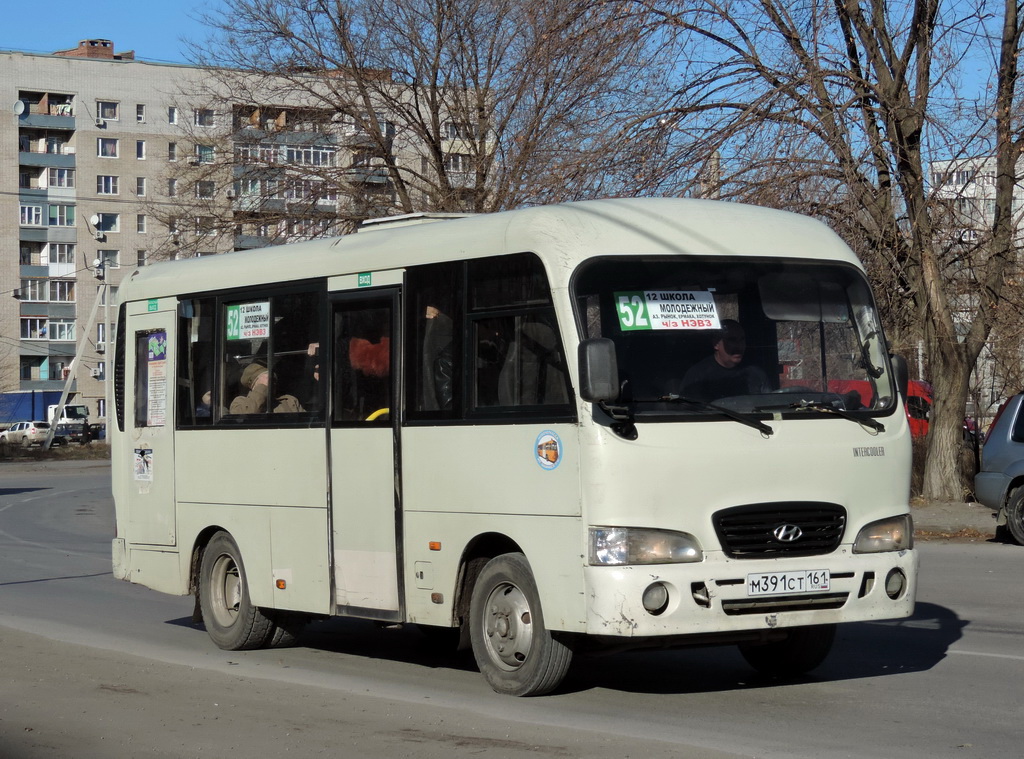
[(90, 666)]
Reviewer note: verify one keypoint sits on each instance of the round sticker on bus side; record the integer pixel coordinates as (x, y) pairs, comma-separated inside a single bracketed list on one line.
[(548, 449)]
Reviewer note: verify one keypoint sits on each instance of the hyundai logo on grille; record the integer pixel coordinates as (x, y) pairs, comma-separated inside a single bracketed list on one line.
[(787, 533)]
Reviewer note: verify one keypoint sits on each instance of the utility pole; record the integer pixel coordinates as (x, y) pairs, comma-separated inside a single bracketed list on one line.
[(101, 296)]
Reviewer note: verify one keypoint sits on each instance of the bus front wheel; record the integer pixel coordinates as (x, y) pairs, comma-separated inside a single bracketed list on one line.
[(516, 654), (231, 619), (803, 649)]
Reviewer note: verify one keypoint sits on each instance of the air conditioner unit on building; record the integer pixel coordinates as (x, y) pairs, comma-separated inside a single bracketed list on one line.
[(96, 372), (101, 123), (230, 194), (101, 347)]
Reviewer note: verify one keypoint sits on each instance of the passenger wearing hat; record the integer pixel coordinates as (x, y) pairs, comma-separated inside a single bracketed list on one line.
[(254, 381)]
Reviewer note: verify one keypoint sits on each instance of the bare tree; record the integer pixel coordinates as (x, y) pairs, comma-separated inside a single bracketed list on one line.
[(434, 105), (833, 109)]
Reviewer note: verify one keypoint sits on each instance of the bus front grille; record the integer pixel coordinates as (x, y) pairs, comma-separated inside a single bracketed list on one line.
[(768, 530), (784, 603)]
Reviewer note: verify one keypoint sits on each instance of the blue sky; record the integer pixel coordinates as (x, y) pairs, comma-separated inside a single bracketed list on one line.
[(152, 28)]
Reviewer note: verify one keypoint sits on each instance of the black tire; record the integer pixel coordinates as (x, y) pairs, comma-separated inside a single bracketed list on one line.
[(515, 652), (287, 628), (803, 649), (1015, 517), (231, 619), (25, 442)]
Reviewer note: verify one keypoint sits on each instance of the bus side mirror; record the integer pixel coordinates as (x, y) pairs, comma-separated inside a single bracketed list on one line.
[(599, 371), (901, 373)]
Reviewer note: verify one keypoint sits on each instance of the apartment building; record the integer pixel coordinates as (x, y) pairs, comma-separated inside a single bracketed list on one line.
[(108, 162)]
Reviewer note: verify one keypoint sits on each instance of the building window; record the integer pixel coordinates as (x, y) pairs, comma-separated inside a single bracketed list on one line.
[(140, 186), (101, 294), (205, 189), (109, 222), (106, 185), (172, 115), (206, 225), (311, 156), (106, 147), (62, 290), (111, 258), (31, 216), (101, 403), (140, 113), (32, 254), (172, 151), (32, 368), (34, 290), (454, 130), (140, 223), (62, 216), (140, 258), (172, 187), (140, 149), (458, 163), (204, 117), (33, 328), (62, 253), (204, 153), (61, 177), (106, 110), (60, 329)]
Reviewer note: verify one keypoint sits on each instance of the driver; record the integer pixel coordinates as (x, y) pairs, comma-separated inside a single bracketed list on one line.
[(723, 373)]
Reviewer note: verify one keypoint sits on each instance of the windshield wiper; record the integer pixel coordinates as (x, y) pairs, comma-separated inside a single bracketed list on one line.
[(761, 427), (826, 408)]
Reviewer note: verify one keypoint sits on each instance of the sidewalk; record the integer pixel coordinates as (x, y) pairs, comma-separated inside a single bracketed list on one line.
[(943, 519)]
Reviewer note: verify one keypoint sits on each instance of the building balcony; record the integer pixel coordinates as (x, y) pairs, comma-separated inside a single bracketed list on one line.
[(368, 175), (47, 121), (248, 242), (65, 160)]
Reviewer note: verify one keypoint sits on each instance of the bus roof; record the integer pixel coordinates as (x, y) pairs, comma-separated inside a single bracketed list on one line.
[(562, 235)]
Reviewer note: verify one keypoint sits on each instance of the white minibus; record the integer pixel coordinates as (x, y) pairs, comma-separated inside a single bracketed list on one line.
[(608, 424)]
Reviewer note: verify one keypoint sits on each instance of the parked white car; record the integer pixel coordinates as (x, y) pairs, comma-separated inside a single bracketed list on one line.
[(28, 433)]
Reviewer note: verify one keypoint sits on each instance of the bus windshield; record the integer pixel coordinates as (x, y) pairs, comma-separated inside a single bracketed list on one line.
[(699, 335)]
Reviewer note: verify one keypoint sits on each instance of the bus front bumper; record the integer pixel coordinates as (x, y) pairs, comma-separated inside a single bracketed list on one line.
[(721, 595)]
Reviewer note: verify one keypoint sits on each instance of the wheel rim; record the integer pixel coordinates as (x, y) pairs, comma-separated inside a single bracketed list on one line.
[(226, 590), (508, 626)]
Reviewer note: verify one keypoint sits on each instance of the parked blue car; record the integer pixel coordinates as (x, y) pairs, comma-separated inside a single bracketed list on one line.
[(1000, 483)]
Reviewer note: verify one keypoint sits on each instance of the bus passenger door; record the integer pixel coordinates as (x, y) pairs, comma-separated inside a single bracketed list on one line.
[(149, 419), (366, 513)]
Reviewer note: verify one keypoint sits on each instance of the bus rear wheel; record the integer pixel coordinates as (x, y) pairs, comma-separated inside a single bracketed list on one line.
[(516, 654), (231, 619), (803, 649)]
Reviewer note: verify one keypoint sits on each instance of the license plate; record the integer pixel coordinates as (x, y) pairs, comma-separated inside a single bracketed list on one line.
[(784, 583)]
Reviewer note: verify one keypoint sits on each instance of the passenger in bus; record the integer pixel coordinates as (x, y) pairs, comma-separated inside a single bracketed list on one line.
[(255, 382), (723, 373), (437, 360)]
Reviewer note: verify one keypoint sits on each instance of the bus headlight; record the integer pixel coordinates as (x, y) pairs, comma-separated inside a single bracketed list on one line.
[(892, 534), (615, 546)]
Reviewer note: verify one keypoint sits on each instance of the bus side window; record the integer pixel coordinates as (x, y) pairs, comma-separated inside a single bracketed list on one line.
[(434, 362), (516, 351), (151, 382), (271, 350), (362, 363), (195, 362)]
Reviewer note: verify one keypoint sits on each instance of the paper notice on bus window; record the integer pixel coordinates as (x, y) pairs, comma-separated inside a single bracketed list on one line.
[(666, 309), (248, 321), (156, 380)]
